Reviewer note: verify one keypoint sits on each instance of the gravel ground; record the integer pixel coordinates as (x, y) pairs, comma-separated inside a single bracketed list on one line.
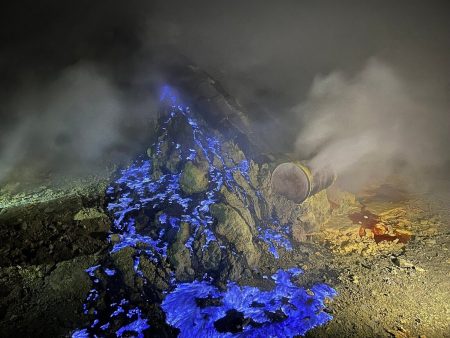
[(389, 289)]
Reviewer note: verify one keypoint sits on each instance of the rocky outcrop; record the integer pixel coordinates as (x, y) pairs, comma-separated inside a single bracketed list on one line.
[(199, 208), (179, 255), (94, 220), (194, 178), (236, 231)]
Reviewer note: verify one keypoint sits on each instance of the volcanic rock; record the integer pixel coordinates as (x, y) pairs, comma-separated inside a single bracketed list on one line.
[(93, 219), (306, 217), (194, 178), (179, 255), (232, 226)]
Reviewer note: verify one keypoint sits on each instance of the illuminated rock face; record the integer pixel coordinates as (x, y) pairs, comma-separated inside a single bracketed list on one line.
[(234, 229), (193, 179), (193, 215)]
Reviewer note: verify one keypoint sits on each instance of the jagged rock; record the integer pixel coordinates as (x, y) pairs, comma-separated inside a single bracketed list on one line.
[(308, 216), (173, 162), (233, 227), (250, 192), (315, 211), (93, 219), (254, 173), (217, 163), (299, 234), (155, 275), (123, 260), (211, 257), (87, 214), (234, 268), (236, 154), (115, 238), (261, 179), (179, 255), (402, 263), (233, 200), (194, 178), (70, 277)]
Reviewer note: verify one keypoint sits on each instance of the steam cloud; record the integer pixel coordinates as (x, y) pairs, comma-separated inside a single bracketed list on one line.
[(371, 125), (74, 85), (70, 125)]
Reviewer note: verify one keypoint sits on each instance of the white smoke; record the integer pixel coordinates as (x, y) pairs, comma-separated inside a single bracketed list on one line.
[(370, 125), (67, 124)]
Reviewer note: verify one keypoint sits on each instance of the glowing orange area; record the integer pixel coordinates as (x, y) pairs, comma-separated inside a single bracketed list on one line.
[(369, 221)]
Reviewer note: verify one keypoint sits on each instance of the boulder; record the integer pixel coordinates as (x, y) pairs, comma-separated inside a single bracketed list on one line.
[(194, 178), (93, 219), (179, 255), (124, 261), (236, 231), (306, 217)]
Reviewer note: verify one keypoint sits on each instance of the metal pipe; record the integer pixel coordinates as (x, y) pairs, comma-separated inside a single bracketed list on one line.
[(297, 181)]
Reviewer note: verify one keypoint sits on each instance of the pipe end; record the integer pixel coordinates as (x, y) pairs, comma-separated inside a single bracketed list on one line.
[(291, 181)]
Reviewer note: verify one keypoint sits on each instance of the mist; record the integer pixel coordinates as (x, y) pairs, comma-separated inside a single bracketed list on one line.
[(352, 83), (371, 125), (73, 125)]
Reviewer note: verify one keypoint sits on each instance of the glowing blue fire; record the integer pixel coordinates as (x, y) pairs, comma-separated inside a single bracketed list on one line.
[(276, 235), (297, 311), (139, 325), (135, 190)]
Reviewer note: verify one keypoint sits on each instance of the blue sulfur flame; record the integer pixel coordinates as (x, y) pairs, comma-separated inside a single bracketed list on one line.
[(135, 190), (298, 311), (139, 325)]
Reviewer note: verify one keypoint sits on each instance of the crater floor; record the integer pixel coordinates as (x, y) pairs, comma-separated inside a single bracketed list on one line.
[(387, 289)]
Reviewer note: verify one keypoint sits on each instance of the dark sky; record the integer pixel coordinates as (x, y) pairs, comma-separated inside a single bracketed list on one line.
[(266, 53), (264, 47)]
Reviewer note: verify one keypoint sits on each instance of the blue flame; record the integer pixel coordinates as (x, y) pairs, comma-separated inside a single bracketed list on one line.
[(135, 189), (300, 311), (139, 325)]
